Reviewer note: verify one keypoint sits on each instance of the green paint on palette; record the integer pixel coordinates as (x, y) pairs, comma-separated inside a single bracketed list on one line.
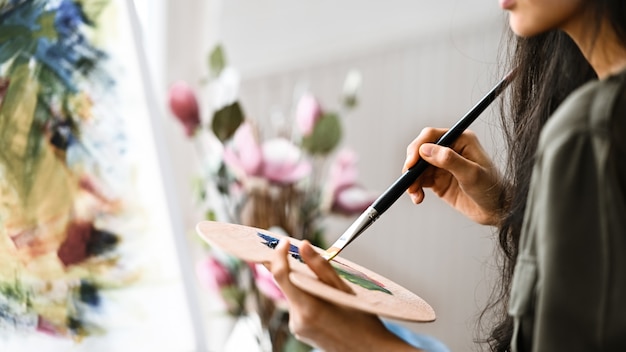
[(344, 271), (358, 278)]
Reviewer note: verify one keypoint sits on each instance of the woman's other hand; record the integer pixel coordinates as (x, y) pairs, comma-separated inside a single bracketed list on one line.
[(463, 175), (322, 324)]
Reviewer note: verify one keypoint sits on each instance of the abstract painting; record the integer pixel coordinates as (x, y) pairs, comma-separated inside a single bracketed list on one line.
[(86, 254)]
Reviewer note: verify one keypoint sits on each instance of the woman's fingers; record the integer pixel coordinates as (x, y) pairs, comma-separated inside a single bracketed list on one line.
[(465, 177), (323, 324), (322, 268), (427, 135), (279, 266), (447, 159), (468, 172), (463, 159)]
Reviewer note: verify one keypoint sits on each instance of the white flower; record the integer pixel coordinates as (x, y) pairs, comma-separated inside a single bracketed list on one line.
[(351, 86), (225, 89)]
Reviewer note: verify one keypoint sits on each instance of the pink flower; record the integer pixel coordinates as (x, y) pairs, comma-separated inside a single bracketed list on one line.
[(308, 112), (244, 154), (266, 284), (351, 200), (347, 196), (277, 160), (283, 162), (184, 106), (213, 274), (46, 327), (343, 171)]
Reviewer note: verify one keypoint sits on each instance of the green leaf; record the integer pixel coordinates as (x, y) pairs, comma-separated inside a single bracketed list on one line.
[(20, 142), (318, 239), (15, 291), (217, 61), (326, 135), (226, 121), (351, 86), (16, 112), (210, 215), (350, 101), (224, 179), (11, 32), (294, 345), (93, 8), (10, 49), (46, 21)]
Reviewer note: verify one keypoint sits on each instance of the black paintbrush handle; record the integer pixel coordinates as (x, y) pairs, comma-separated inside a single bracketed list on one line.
[(402, 184)]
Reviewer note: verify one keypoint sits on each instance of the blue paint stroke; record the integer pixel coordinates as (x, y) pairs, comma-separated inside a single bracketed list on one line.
[(342, 270), (272, 242)]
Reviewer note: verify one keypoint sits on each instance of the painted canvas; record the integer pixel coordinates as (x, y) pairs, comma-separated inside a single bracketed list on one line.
[(86, 247)]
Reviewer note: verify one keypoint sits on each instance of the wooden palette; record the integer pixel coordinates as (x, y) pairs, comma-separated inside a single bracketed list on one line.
[(373, 293)]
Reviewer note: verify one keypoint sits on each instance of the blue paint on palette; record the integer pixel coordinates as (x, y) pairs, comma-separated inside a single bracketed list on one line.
[(273, 242), (342, 270)]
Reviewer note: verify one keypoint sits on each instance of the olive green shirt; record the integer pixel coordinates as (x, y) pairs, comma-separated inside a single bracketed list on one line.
[(569, 286)]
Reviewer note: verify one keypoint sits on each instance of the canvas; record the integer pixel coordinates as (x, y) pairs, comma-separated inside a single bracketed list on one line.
[(89, 258)]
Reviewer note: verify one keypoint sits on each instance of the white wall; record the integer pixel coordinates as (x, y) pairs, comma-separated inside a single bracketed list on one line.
[(272, 35), (424, 64)]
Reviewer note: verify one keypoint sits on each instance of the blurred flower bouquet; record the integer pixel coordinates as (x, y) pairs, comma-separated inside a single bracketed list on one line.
[(287, 177)]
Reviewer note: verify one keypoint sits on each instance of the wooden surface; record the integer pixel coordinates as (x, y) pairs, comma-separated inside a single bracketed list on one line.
[(243, 242)]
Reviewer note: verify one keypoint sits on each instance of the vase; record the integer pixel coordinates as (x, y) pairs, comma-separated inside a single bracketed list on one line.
[(267, 206)]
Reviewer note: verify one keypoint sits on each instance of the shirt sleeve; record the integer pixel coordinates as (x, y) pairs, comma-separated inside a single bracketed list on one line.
[(572, 257)]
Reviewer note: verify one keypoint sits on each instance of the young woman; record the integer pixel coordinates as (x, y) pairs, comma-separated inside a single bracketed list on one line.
[(560, 208)]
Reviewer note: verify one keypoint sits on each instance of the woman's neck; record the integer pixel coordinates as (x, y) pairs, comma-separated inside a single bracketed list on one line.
[(603, 49)]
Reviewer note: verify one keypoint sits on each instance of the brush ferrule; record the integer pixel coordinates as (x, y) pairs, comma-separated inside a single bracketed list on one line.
[(358, 226)]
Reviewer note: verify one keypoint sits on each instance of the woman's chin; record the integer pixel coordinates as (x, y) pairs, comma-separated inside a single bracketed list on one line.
[(523, 29)]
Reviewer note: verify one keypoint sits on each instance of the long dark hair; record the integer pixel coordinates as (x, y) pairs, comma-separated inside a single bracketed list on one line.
[(550, 66)]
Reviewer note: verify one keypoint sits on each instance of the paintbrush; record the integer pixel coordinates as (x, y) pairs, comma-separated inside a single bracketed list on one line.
[(384, 201)]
